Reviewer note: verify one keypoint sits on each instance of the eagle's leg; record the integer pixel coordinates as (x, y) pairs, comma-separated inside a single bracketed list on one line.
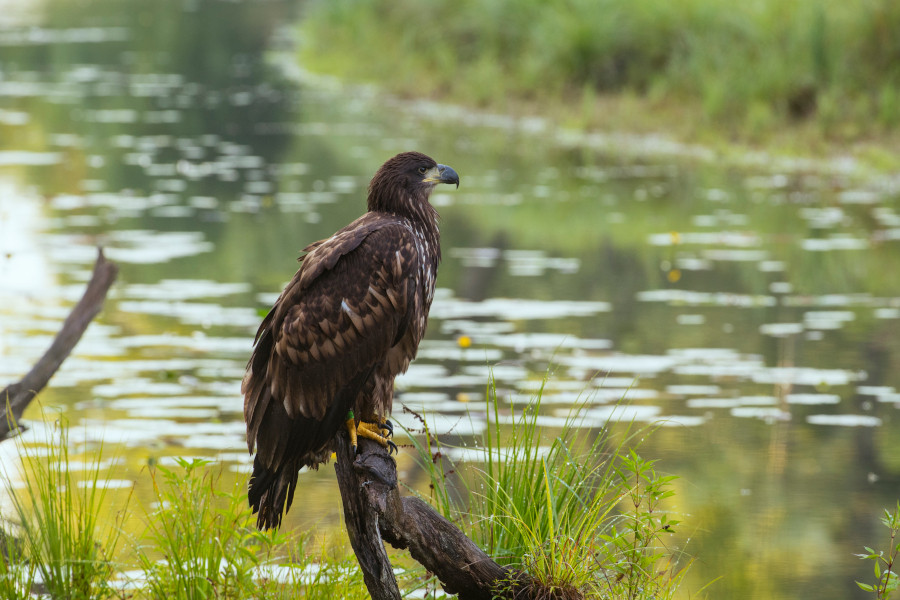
[(378, 429), (350, 424)]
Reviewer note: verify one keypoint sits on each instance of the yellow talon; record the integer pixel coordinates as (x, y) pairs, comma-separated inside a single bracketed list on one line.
[(377, 431), (373, 431)]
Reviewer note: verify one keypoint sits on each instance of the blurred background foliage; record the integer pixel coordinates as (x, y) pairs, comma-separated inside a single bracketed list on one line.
[(745, 68)]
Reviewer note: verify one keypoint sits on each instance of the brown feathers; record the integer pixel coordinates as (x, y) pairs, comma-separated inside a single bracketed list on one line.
[(348, 322)]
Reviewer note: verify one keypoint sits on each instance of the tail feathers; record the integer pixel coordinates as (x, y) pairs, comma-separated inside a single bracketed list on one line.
[(271, 493)]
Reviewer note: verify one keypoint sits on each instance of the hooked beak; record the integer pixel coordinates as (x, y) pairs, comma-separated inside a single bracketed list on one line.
[(442, 174)]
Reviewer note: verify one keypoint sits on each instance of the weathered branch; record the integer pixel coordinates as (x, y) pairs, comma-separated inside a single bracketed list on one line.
[(19, 395), (361, 515), (374, 510)]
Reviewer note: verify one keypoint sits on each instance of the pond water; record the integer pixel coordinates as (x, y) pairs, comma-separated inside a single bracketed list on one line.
[(750, 306)]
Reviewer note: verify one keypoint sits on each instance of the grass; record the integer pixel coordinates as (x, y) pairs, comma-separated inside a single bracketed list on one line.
[(200, 541), (827, 71), (209, 545), (584, 516), (16, 576), (63, 535)]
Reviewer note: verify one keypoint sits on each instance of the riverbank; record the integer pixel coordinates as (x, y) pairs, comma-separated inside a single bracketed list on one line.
[(807, 81)]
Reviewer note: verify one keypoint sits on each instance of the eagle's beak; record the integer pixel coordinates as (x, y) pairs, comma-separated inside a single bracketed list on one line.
[(442, 174)]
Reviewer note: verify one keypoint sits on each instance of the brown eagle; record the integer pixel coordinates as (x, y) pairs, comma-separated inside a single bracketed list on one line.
[(348, 322)]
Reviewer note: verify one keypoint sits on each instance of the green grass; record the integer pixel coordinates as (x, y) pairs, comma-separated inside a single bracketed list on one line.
[(742, 70), (62, 533), (16, 576), (209, 545), (581, 513), (199, 543)]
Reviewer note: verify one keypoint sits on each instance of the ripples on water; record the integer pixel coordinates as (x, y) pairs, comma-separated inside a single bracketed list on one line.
[(750, 310)]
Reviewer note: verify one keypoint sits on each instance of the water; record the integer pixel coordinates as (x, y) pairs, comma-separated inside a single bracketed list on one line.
[(748, 306)]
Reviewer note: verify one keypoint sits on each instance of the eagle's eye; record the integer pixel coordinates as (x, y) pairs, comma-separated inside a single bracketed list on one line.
[(422, 170)]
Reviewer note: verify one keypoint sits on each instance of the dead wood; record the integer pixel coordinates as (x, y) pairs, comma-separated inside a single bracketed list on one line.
[(17, 396), (375, 511)]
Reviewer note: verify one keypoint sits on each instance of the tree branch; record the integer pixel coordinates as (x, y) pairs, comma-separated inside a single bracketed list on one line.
[(374, 510), (16, 397)]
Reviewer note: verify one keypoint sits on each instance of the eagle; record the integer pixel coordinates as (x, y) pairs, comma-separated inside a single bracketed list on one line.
[(348, 322)]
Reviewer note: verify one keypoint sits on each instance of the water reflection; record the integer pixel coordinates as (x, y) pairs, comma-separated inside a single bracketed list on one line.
[(744, 308)]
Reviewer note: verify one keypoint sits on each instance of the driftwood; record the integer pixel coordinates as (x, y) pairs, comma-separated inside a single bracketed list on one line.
[(16, 397), (375, 511)]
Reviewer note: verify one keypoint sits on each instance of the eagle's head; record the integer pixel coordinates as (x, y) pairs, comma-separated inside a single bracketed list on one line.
[(403, 184)]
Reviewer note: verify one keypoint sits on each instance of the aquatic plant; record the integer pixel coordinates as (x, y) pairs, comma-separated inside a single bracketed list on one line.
[(200, 540), (16, 574), (884, 562)]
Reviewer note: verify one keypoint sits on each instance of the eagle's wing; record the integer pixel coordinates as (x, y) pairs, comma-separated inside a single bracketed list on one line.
[(349, 303)]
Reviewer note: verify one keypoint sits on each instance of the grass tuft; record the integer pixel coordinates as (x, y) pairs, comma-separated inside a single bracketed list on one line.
[(65, 543), (583, 515), (209, 546)]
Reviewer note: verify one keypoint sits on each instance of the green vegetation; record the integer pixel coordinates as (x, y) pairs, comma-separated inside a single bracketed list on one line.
[(211, 548), (829, 69), (63, 535), (884, 563), (584, 517), (200, 542)]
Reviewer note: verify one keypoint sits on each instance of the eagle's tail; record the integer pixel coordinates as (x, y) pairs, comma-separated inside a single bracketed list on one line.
[(270, 491)]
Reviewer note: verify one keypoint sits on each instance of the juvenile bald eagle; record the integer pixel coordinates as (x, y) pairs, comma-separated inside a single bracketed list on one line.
[(348, 322)]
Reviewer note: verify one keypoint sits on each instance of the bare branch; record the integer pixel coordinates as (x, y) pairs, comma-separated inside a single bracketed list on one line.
[(16, 397), (374, 510)]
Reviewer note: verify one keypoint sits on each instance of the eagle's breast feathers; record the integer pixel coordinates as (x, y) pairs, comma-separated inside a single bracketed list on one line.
[(359, 300)]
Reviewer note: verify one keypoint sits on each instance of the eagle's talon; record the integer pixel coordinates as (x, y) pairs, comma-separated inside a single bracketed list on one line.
[(392, 448), (353, 449), (389, 427)]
